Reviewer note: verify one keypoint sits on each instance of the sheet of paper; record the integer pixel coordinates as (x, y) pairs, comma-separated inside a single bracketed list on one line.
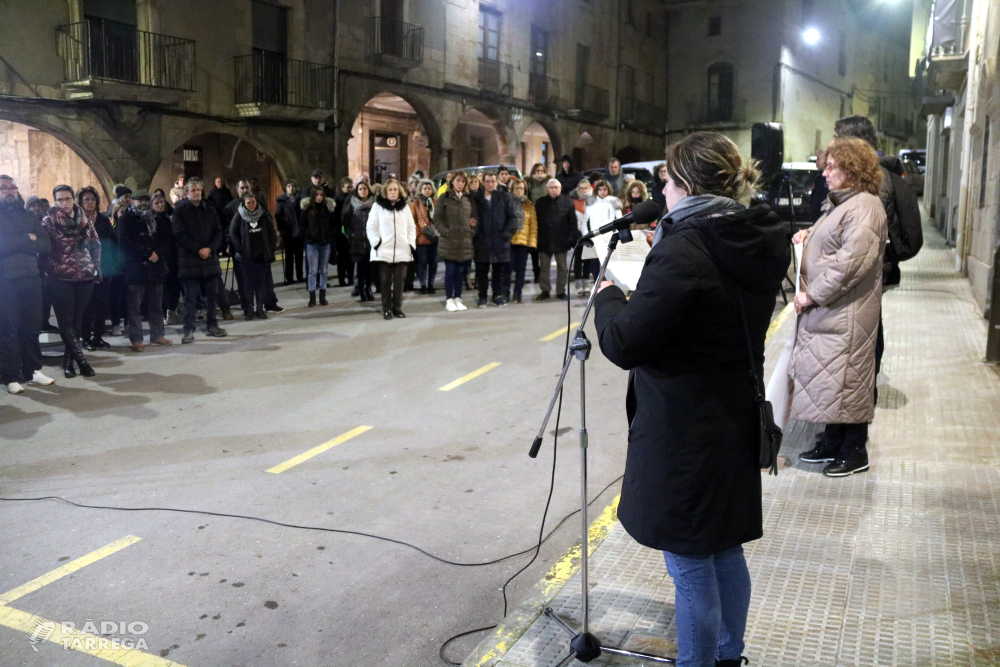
[(626, 262)]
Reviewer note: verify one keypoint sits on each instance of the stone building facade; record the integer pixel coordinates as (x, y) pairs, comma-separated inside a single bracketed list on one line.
[(144, 90)]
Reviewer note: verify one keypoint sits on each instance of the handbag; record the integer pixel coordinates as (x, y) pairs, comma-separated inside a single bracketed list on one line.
[(770, 432), (431, 232)]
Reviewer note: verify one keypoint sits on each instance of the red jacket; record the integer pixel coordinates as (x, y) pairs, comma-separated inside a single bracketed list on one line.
[(76, 249), (421, 218)]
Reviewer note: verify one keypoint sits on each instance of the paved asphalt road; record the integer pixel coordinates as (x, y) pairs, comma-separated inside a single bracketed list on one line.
[(198, 427)]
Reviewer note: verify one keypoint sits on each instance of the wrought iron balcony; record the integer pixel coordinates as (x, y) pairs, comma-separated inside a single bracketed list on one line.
[(642, 115), (543, 90), (724, 112), (103, 50), (395, 42), (496, 77), (270, 78), (592, 100), (948, 49)]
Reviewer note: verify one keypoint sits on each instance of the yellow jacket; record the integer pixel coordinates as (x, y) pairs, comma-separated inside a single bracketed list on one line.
[(528, 233)]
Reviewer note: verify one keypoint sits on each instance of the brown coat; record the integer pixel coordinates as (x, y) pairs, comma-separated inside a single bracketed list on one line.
[(833, 365)]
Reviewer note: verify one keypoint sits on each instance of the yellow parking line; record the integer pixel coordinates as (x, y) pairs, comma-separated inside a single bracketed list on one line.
[(556, 334), (282, 467), (471, 376), (68, 568), (779, 320), (104, 648)]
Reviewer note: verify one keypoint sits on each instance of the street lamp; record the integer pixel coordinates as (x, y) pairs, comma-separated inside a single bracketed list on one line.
[(810, 36)]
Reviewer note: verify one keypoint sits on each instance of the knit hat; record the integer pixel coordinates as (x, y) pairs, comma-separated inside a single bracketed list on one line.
[(32, 200), (317, 173), (121, 189)]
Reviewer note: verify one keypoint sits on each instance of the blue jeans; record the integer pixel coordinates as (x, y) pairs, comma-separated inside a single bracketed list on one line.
[(518, 265), (427, 264), (454, 277), (712, 601), (317, 258)]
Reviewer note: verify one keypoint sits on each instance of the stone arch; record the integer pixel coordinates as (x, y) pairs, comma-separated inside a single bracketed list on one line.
[(389, 136), (356, 96), (64, 134), (589, 151), (529, 150), (481, 138), (628, 154)]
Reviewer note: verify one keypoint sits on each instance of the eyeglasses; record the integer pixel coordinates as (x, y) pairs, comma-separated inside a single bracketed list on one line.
[(8, 188)]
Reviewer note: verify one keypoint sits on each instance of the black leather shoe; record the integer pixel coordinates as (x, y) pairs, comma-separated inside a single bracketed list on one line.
[(260, 314), (396, 312), (542, 297), (68, 370), (846, 467), (100, 343), (387, 314), (733, 663), (820, 454)]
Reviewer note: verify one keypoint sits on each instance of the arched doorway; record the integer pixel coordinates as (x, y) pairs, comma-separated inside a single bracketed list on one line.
[(586, 153), (535, 146), (629, 154), (212, 155), (388, 139), (39, 161), (475, 141)]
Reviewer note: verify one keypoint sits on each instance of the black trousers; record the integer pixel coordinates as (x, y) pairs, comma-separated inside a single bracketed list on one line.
[(295, 249), (483, 278), (193, 289), (364, 269), (97, 312), (254, 283), (852, 439), (536, 270), (20, 354), (152, 294), (391, 276), (70, 300), (345, 266)]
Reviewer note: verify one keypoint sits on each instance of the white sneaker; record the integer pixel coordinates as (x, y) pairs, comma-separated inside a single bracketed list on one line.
[(15, 388), (459, 304), (450, 306), (41, 379)]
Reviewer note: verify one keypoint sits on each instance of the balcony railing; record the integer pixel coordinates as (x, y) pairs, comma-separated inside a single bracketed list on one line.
[(400, 41), (593, 100), (496, 77), (112, 51), (270, 78), (947, 47), (726, 111), (543, 90), (642, 115)]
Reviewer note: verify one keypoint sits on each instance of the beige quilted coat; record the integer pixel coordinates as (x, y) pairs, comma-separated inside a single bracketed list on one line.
[(833, 364)]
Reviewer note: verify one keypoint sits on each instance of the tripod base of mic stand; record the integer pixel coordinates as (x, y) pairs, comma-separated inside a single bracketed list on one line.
[(586, 647)]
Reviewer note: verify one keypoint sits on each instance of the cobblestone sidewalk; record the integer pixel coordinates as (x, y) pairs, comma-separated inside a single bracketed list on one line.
[(898, 566)]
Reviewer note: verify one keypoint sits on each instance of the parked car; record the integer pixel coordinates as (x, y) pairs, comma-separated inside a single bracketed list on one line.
[(917, 155), (914, 175), (643, 171), (795, 182), (514, 171)]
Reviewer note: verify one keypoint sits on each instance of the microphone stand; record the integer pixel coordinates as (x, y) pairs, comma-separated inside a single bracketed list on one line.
[(584, 646)]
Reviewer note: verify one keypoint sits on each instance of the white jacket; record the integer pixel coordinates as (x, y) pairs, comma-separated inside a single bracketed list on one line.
[(391, 231), (599, 212)]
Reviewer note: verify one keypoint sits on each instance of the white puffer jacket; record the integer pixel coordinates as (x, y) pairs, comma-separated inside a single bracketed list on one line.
[(391, 231), (599, 212)]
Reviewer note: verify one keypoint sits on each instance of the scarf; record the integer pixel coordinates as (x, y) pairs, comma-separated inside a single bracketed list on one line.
[(837, 197), (520, 199), (150, 217), (252, 216), (697, 206), (428, 203), (68, 225), (362, 204)]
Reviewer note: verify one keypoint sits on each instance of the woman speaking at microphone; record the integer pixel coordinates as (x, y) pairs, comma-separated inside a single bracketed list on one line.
[(692, 481)]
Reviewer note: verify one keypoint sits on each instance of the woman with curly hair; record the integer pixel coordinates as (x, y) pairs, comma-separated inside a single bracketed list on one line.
[(833, 364)]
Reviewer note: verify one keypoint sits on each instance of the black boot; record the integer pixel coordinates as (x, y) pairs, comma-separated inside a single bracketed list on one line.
[(368, 294), (81, 361), (68, 369), (322, 298), (732, 663), (312, 298)]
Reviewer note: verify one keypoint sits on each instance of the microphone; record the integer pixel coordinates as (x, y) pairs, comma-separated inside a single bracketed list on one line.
[(643, 214)]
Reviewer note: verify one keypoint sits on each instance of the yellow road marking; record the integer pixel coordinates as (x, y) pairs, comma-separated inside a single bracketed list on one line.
[(471, 376), (84, 642), (505, 636), (68, 568), (779, 320), (282, 467), (556, 334)]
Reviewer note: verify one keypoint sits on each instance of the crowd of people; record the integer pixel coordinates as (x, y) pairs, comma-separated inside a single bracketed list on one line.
[(165, 258)]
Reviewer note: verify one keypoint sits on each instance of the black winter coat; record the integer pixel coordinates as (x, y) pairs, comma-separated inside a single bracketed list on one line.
[(18, 253), (902, 217), (558, 230), (138, 245), (196, 227), (220, 197), (239, 236), (317, 224), (692, 483), (497, 224), (286, 214), (569, 179), (355, 224), (112, 262)]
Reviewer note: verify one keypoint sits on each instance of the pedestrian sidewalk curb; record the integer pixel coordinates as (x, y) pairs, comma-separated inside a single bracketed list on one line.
[(516, 623)]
